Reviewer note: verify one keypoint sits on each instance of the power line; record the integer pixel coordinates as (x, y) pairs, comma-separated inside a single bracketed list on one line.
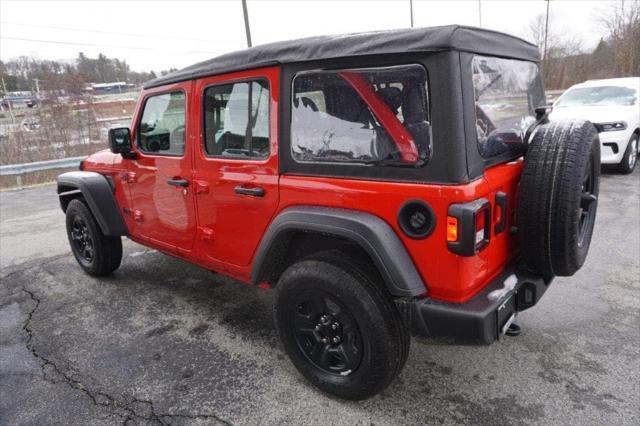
[(73, 43), (106, 32)]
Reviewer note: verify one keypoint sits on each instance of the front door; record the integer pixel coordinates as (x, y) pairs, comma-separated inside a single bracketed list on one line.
[(236, 163), (160, 177)]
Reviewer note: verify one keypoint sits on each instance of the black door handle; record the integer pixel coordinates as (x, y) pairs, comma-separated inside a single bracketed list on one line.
[(254, 192), (178, 182)]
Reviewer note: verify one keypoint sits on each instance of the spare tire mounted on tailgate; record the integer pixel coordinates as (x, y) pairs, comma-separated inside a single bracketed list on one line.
[(558, 196)]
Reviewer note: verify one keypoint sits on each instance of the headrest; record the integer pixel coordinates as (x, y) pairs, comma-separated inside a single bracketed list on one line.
[(392, 96)]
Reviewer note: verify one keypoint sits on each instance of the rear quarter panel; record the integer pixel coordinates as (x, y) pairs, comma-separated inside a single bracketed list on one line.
[(447, 276)]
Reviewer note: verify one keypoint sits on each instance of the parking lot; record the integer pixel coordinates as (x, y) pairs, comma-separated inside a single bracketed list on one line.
[(166, 342)]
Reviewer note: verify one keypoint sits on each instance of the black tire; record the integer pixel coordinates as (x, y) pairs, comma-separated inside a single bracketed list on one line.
[(370, 327), (559, 197), (96, 253), (630, 158)]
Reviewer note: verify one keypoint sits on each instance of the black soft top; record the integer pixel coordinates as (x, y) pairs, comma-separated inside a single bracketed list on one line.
[(433, 39)]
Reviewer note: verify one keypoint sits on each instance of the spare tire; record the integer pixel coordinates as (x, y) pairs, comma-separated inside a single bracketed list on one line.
[(559, 196)]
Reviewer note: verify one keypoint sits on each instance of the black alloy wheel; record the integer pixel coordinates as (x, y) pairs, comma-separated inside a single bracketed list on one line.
[(82, 241), (588, 201), (326, 332)]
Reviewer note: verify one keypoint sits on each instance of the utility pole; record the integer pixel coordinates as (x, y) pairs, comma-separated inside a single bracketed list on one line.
[(546, 34), (411, 11), (4, 89), (480, 13), (246, 22)]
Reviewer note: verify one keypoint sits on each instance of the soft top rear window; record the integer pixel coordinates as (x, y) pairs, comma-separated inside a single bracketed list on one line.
[(507, 91), (372, 116)]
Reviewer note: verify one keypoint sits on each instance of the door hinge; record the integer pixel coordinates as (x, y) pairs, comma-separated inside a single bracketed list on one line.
[(206, 233), (129, 177), (135, 214), (200, 187)]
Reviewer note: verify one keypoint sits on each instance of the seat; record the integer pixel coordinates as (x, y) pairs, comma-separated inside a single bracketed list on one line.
[(415, 114), (392, 96)]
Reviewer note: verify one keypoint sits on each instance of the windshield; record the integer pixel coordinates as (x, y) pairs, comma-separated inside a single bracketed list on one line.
[(507, 91), (598, 96)]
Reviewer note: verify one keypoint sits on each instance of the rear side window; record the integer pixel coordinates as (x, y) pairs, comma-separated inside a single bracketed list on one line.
[(506, 92), (375, 116), (236, 120), (161, 130)]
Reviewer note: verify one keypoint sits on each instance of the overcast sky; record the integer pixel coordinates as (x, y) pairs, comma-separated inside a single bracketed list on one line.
[(157, 35)]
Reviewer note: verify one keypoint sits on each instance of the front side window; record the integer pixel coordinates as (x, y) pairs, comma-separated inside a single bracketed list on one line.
[(236, 120), (161, 129), (507, 91), (376, 116)]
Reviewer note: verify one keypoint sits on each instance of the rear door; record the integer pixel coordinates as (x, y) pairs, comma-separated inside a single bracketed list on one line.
[(236, 163), (160, 177), (506, 93)]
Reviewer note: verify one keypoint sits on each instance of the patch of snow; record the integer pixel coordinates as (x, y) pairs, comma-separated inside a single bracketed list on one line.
[(509, 285)]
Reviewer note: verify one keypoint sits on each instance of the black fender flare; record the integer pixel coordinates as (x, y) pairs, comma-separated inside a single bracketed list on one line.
[(97, 191), (370, 232)]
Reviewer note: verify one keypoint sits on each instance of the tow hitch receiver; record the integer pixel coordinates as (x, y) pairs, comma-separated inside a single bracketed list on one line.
[(505, 315)]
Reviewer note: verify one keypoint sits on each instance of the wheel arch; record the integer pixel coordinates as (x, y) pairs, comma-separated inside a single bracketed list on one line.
[(97, 192), (300, 231)]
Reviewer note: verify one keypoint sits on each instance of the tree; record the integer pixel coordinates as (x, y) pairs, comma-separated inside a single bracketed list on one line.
[(621, 21), (554, 67)]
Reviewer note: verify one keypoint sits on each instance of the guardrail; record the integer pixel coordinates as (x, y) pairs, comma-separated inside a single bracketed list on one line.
[(38, 166)]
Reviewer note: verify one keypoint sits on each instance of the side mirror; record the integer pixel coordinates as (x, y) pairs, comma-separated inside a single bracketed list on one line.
[(120, 142)]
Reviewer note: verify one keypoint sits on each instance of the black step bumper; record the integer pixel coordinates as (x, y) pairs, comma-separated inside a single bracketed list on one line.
[(484, 318)]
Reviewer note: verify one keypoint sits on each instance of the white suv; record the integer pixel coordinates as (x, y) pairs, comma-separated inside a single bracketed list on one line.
[(613, 106)]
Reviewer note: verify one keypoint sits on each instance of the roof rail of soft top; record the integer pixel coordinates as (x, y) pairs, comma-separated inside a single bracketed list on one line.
[(432, 39)]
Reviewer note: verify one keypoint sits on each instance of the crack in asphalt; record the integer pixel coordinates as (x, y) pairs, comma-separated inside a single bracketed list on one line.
[(124, 410), (16, 269)]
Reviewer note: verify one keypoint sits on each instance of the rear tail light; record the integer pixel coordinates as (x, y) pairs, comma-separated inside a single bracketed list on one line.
[(473, 227), (480, 228), (452, 228)]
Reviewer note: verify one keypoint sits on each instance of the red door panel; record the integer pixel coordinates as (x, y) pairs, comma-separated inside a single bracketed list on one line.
[(237, 197), (163, 210)]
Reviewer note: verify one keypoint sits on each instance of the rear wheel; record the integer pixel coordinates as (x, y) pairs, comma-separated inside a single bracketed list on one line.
[(97, 254), (630, 157), (339, 327)]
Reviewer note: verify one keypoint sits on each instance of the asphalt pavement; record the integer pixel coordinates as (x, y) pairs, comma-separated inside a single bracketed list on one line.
[(162, 341)]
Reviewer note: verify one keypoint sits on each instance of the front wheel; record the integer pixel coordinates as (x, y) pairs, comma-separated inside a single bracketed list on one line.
[(339, 327), (630, 157), (97, 254)]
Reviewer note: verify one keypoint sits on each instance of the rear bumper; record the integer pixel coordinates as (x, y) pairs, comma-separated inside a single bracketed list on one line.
[(485, 317)]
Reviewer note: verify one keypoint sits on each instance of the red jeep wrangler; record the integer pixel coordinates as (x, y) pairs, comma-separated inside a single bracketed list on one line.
[(383, 183)]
